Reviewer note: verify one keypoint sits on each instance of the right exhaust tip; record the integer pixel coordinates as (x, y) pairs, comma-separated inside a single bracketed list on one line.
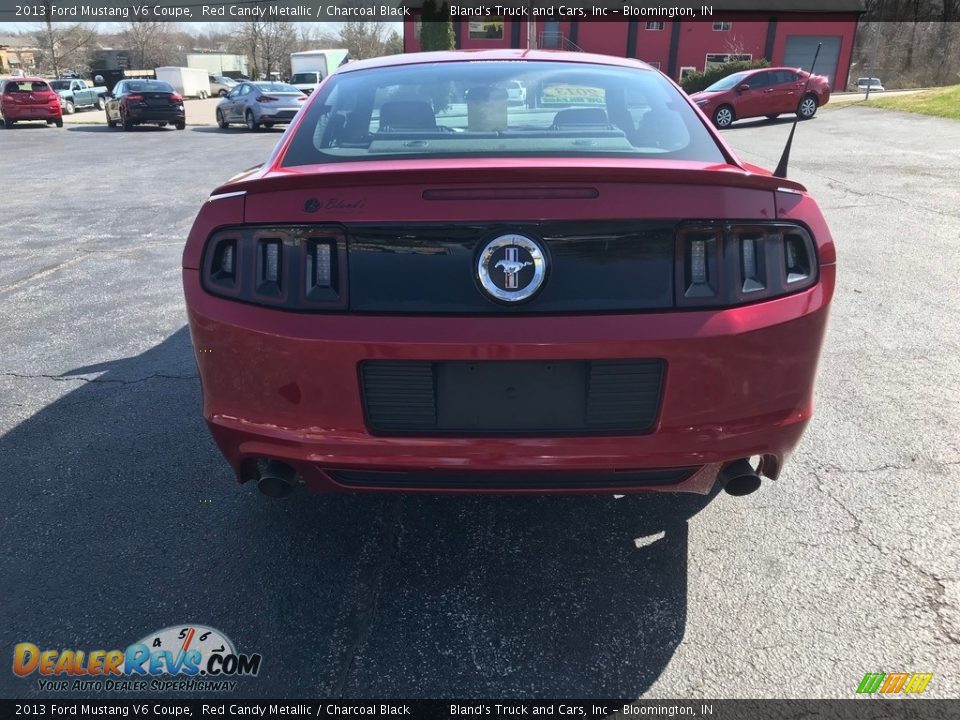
[(739, 478)]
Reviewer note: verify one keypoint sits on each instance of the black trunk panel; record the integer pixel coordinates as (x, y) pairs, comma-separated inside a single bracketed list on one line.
[(596, 266)]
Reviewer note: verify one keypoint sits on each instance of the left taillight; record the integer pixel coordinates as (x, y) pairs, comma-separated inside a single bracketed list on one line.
[(728, 264), (291, 268)]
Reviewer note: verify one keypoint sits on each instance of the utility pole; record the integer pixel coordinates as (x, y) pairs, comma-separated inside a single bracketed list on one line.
[(531, 27), (876, 49)]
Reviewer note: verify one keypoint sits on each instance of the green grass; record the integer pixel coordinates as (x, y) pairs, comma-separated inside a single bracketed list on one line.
[(941, 102)]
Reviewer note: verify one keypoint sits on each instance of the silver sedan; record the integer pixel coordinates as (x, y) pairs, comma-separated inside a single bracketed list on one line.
[(259, 104)]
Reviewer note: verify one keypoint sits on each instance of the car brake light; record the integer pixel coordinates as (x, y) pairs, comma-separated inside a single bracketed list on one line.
[(301, 98), (265, 98), (176, 98), (724, 264), (293, 268)]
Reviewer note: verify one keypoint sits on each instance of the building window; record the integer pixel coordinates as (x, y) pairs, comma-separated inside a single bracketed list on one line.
[(656, 25), (486, 29), (686, 70), (722, 26), (417, 28), (714, 59)]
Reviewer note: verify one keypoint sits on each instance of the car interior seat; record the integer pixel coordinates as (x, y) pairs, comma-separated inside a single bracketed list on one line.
[(401, 115), (579, 118)]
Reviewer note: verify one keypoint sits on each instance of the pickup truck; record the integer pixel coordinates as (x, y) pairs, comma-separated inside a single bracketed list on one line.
[(77, 94)]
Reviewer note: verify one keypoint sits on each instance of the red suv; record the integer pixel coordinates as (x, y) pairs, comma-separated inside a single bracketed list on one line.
[(767, 92), (28, 99)]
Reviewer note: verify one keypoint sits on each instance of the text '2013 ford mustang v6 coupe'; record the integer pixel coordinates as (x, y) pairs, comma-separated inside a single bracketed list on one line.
[(429, 288)]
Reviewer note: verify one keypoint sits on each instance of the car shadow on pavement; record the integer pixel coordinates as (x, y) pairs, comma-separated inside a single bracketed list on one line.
[(761, 122), (27, 125), (118, 130), (237, 129), (104, 128), (122, 518)]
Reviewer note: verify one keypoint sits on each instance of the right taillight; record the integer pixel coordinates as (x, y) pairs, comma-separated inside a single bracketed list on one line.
[(292, 268), (726, 264)]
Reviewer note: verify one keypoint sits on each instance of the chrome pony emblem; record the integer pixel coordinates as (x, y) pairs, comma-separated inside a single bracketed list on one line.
[(511, 268)]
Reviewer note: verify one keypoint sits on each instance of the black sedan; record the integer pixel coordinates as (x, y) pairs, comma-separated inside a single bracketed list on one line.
[(136, 102)]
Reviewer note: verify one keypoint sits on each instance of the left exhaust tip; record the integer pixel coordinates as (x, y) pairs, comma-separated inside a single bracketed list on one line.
[(274, 478)]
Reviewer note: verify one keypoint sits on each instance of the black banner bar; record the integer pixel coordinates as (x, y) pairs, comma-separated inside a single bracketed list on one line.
[(460, 709), (218, 11)]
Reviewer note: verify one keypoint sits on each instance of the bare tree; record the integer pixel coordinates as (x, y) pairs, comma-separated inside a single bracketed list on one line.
[(369, 39), (277, 40), (267, 44), (152, 43), (66, 46), (908, 43), (245, 40)]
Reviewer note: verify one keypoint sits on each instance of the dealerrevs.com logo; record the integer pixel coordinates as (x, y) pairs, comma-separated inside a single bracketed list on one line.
[(189, 658)]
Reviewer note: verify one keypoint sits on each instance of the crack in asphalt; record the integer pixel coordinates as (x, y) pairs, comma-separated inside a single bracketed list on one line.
[(41, 273), (936, 601), (846, 188), (367, 612), (97, 380), (885, 466), (82, 253)]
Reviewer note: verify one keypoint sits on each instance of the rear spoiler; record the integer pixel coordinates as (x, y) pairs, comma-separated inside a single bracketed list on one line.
[(543, 172)]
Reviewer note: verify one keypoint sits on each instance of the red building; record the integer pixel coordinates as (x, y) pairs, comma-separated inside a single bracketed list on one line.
[(785, 32)]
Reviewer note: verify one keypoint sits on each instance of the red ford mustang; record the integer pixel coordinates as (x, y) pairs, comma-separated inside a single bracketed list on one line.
[(426, 288), (758, 93)]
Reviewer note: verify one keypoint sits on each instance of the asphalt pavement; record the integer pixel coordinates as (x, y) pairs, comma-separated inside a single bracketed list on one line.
[(120, 516)]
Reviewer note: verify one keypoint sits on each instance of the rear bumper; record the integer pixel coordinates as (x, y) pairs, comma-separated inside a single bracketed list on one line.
[(279, 118), (32, 112), (738, 383), (155, 115)]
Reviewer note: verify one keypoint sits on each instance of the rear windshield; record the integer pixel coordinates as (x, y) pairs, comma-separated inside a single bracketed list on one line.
[(305, 78), (29, 86), (60, 84), (278, 87), (149, 86), (459, 109)]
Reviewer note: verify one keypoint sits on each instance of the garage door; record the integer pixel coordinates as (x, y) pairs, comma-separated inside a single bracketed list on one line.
[(801, 48)]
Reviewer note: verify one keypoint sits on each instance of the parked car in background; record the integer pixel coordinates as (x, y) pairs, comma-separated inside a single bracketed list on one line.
[(221, 85), (873, 83), (77, 94), (580, 297), (258, 104), (25, 99), (516, 93), (139, 102), (768, 92)]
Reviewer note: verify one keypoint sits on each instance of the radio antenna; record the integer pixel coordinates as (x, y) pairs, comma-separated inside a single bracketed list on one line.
[(781, 171)]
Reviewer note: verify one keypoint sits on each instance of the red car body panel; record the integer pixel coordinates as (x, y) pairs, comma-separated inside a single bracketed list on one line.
[(284, 385), (30, 106), (774, 99)]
